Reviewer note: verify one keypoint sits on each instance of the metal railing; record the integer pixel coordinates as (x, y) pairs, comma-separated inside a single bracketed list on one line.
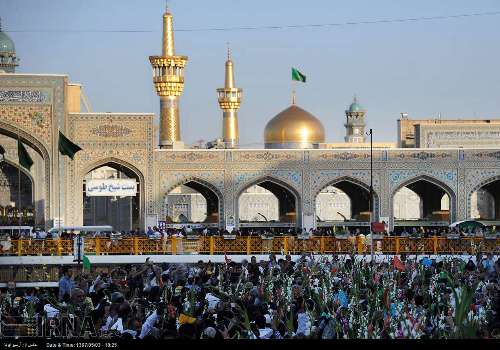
[(253, 245)]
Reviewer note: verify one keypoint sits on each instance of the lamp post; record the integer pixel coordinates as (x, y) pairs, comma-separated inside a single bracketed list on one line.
[(371, 193)]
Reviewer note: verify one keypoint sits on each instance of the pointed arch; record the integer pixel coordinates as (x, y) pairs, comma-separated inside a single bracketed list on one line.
[(355, 182), (14, 132), (26, 173), (117, 163), (496, 196), (206, 184), (429, 179), (277, 182)]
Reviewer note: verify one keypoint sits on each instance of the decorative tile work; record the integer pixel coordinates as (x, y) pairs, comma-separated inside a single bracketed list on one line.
[(483, 155), (122, 138), (34, 119), (422, 155), (25, 96), (323, 178), (168, 180), (52, 96), (121, 128), (245, 179), (110, 131), (266, 156), (397, 177), (440, 136), (190, 156), (343, 156)]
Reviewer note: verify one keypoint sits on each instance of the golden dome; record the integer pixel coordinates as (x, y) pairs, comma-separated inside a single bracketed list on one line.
[(293, 128)]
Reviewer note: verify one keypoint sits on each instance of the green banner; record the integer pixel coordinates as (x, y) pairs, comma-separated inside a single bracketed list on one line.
[(24, 157), (298, 76), (66, 147)]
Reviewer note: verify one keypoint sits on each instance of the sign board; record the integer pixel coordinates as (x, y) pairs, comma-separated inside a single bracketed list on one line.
[(110, 187)]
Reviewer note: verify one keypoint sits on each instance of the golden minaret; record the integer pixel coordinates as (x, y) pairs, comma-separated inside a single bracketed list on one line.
[(229, 102), (168, 78)]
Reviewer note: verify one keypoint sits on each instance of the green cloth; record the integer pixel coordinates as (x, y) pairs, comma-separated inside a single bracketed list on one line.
[(298, 76), (66, 147), (24, 157), (86, 263)]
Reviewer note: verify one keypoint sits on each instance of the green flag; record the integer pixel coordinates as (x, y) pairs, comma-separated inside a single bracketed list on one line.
[(24, 157), (66, 147), (86, 263), (298, 76)]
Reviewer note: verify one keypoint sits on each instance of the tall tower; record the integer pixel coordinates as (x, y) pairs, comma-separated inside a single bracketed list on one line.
[(8, 59), (355, 123), (168, 78), (229, 102)]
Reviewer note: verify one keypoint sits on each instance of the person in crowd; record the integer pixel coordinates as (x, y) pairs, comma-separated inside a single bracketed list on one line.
[(66, 283)]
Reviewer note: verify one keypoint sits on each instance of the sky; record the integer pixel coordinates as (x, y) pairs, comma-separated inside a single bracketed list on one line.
[(423, 68)]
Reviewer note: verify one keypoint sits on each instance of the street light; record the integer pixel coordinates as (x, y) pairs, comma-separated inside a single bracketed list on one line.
[(371, 192)]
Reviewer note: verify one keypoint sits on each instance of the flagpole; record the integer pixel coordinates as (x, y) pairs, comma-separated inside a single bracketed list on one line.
[(19, 185), (59, 187)]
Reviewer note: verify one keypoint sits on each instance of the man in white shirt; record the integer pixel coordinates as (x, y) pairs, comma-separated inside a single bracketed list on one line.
[(118, 325), (151, 321), (212, 301)]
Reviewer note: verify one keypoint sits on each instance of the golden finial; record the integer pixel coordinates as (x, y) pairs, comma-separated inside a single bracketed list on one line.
[(228, 51)]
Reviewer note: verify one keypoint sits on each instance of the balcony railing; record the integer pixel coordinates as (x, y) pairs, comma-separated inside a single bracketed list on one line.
[(252, 245)]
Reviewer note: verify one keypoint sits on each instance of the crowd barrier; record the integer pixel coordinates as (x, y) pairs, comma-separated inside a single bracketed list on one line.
[(253, 245)]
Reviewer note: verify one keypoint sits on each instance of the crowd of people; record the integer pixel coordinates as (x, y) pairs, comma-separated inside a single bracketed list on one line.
[(154, 232), (313, 297)]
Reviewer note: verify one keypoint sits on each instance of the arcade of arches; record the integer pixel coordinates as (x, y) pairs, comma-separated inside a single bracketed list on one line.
[(342, 201)]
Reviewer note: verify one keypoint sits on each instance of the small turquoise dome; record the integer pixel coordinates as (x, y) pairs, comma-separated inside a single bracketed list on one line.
[(355, 106), (6, 43)]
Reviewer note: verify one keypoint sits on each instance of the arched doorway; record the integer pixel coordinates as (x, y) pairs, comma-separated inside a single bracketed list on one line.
[(485, 202), (257, 204), (268, 204), (40, 173), (344, 205), (16, 195), (121, 211), (193, 202), (423, 203)]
